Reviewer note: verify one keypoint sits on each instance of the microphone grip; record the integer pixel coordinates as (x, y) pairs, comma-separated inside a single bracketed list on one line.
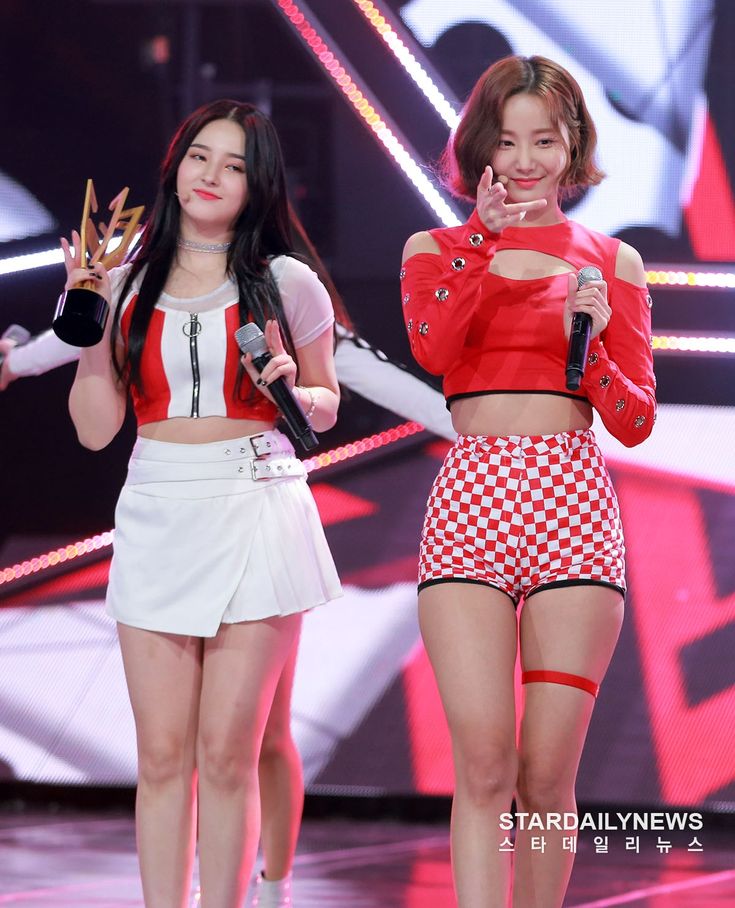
[(579, 344), (293, 415)]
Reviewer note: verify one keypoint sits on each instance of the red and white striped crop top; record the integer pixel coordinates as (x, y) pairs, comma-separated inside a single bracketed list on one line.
[(190, 358)]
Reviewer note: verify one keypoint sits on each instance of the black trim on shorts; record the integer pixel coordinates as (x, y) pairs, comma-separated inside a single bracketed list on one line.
[(463, 394), (579, 582), (492, 586)]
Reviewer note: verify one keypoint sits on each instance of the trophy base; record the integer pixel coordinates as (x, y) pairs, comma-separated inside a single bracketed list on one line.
[(80, 317)]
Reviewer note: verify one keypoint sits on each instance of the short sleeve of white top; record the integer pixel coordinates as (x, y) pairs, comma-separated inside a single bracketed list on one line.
[(306, 303)]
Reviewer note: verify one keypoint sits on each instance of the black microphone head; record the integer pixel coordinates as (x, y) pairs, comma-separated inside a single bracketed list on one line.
[(250, 339), (587, 274)]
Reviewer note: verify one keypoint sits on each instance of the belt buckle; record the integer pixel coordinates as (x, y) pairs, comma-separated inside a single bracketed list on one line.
[(254, 439)]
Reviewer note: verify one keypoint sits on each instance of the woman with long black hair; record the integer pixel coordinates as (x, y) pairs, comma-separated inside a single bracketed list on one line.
[(213, 563)]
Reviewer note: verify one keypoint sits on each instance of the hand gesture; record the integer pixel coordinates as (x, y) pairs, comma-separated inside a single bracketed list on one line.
[(592, 299), (76, 272), (281, 364), (494, 213)]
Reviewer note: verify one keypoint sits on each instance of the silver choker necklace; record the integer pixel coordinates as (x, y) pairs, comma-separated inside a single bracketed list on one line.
[(202, 247)]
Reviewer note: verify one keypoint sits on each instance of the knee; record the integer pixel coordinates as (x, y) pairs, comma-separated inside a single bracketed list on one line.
[(164, 759), (486, 775), (544, 786), (278, 744), (226, 764)]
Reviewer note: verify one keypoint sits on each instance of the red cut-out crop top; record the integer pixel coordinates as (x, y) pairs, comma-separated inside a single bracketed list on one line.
[(490, 334), (190, 357)]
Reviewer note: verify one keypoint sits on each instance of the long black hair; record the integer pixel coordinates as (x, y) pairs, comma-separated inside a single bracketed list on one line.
[(262, 230)]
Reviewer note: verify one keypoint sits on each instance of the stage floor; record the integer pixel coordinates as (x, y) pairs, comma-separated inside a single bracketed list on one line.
[(88, 861)]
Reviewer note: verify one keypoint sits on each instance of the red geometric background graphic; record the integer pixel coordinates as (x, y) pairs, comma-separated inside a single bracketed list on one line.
[(710, 212), (678, 607)]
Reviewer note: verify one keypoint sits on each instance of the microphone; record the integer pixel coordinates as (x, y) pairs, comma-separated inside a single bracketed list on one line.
[(579, 337), (250, 339), (15, 333)]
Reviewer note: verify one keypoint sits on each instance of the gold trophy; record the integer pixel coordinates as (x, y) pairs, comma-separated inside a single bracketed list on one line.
[(81, 313)]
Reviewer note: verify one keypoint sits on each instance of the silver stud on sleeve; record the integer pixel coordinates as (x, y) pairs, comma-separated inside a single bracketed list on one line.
[(406, 298), (458, 263), (639, 421), (593, 359), (442, 294), (619, 404), (605, 381), (649, 301), (423, 329), (401, 274), (476, 239), (409, 324)]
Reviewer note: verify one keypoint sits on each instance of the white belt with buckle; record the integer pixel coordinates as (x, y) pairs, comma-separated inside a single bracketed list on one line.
[(274, 467)]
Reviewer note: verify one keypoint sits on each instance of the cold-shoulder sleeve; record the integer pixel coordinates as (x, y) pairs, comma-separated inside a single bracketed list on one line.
[(619, 380), (440, 293)]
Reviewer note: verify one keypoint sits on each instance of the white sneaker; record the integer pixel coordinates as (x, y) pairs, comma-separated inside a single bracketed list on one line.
[(272, 893)]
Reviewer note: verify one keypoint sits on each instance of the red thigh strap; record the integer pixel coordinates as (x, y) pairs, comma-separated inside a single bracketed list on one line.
[(561, 678)]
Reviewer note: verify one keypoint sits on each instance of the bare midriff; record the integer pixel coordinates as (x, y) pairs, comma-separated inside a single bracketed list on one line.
[(519, 414), (187, 431)]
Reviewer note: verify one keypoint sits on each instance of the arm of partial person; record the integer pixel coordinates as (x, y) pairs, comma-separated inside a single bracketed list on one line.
[(41, 354), (371, 374), (619, 380)]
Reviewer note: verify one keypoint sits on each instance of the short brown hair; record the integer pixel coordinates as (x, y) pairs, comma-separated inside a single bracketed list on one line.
[(472, 145)]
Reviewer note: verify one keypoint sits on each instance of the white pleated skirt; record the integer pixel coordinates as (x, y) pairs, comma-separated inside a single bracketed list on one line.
[(199, 542)]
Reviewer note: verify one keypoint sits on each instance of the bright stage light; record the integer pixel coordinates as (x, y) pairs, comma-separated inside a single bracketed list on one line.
[(367, 107), (686, 344), (720, 280), (17, 263), (423, 81)]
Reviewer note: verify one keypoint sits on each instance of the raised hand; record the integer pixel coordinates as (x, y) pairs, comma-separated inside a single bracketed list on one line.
[(492, 208), (76, 272)]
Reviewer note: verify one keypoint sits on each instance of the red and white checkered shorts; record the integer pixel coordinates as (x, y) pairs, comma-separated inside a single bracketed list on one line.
[(523, 513)]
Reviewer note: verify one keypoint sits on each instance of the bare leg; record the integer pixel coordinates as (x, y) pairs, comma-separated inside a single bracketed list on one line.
[(574, 630), (241, 668), (163, 673), (470, 635), (281, 780)]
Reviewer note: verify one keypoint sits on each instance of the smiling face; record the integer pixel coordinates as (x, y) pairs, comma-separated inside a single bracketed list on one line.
[(532, 152), (211, 182)]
